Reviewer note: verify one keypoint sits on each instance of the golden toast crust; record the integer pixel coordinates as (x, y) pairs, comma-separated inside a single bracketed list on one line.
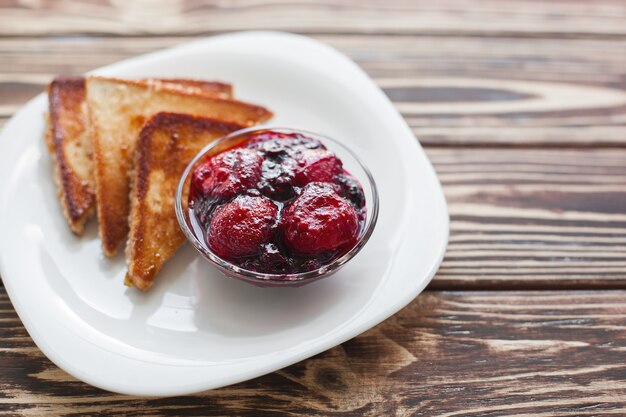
[(191, 86), (167, 143), (117, 111), (67, 135)]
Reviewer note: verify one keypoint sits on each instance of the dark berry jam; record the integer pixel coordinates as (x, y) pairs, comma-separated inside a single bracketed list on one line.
[(279, 203)]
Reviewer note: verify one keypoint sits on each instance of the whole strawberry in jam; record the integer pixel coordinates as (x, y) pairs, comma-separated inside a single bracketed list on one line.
[(319, 221), (240, 227), (317, 165), (228, 174), (279, 203)]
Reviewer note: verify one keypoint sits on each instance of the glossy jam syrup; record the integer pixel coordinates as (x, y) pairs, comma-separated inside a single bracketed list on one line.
[(277, 203)]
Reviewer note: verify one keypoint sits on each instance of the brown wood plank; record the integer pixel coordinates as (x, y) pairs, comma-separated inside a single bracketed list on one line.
[(533, 218), (582, 61), (446, 354), (452, 91), (481, 17)]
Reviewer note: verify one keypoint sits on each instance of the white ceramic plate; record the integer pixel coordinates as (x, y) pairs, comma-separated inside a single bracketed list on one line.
[(197, 330)]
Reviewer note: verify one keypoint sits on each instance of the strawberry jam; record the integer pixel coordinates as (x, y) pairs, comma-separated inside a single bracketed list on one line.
[(279, 203)]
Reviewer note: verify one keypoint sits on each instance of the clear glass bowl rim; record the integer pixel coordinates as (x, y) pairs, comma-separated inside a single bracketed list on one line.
[(265, 278)]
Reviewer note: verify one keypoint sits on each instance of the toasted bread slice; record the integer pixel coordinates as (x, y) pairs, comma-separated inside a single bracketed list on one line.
[(167, 143), (117, 111), (68, 139)]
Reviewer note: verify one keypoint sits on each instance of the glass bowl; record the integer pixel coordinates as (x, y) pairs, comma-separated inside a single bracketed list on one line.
[(194, 232)]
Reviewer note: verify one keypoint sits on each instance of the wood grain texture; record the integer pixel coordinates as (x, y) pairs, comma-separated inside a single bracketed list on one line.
[(452, 91), (580, 60), (446, 354), (187, 17), (533, 218)]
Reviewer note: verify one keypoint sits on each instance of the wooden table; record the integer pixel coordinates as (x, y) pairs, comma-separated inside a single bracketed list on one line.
[(521, 106)]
